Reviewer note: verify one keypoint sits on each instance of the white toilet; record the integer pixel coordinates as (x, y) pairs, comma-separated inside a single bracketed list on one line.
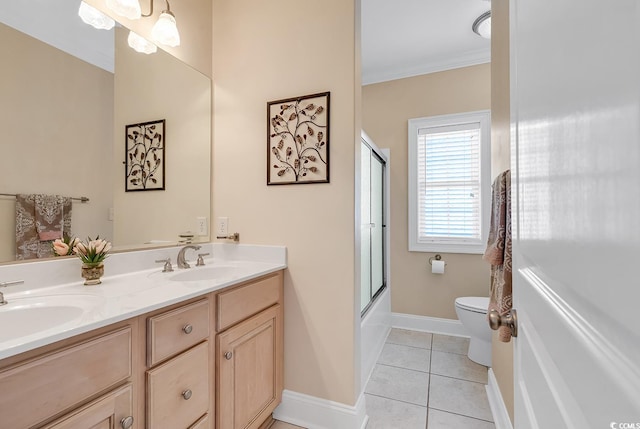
[(472, 312)]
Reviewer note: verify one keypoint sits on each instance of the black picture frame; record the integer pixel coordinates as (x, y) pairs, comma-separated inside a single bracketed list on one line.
[(298, 140), (144, 156)]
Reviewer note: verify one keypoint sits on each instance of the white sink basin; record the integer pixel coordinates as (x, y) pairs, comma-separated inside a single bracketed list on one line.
[(26, 316), (205, 273)]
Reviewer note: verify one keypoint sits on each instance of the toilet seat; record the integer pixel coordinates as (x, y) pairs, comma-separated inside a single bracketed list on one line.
[(476, 304)]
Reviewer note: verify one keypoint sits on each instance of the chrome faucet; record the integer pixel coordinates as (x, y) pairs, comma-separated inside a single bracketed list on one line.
[(5, 284), (182, 263)]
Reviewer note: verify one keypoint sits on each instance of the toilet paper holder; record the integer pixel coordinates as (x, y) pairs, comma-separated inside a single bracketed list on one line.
[(437, 258)]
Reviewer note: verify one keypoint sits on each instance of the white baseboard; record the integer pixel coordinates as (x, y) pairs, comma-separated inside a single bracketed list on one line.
[(315, 413), (498, 408), (428, 324)]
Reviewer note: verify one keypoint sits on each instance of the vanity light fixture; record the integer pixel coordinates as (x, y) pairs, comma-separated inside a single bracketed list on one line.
[(128, 8), (140, 44), (164, 31), (482, 25), (92, 16)]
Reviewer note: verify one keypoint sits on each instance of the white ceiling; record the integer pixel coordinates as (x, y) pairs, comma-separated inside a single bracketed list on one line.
[(400, 38), (403, 38), (58, 24)]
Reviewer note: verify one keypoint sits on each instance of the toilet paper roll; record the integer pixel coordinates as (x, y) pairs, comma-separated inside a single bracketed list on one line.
[(437, 267)]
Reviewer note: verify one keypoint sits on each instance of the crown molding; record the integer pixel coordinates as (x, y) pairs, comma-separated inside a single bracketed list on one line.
[(466, 59)]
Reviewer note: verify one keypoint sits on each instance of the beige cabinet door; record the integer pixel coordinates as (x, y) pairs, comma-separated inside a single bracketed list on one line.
[(249, 370), (114, 410)]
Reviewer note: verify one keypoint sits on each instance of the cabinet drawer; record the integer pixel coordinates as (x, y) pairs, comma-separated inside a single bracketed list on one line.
[(203, 423), (175, 331), (243, 302), (74, 373), (169, 404)]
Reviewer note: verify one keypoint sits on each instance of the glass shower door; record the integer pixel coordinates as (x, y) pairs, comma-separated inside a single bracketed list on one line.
[(372, 243), (377, 225)]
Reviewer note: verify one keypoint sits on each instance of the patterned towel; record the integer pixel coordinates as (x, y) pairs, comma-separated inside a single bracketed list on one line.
[(498, 252), (40, 219)]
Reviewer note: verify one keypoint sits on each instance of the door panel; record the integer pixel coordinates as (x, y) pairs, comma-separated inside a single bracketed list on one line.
[(372, 229), (365, 235), (249, 357), (576, 131), (104, 413), (377, 224)]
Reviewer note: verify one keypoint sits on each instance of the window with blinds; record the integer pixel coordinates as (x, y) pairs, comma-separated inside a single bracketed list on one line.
[(449, 183)]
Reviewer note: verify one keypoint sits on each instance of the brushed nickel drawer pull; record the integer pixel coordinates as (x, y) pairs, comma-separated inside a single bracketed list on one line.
[(187, 394), (187, 329), (126, 422), (228, 355)]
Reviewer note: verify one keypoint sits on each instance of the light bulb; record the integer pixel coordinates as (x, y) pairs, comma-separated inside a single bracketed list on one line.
[(92, 16), (165, 30), (140, 44), (127, 8)]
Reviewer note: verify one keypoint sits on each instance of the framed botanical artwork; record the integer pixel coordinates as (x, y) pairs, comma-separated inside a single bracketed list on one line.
[(298, 140), (144, 157)]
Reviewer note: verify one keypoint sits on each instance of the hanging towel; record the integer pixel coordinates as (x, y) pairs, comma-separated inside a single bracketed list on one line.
[(498, 252), (40, 219), (50, 213)]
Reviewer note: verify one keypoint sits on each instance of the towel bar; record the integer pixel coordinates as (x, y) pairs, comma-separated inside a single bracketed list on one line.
[(81, 199)]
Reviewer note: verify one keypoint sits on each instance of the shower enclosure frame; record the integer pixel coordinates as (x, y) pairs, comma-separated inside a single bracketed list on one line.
[(373, 226)]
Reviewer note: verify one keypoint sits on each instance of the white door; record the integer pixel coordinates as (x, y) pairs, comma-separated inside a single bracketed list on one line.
[(576, 181)]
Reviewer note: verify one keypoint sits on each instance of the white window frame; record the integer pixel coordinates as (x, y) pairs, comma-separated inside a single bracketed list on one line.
[(483, 117)]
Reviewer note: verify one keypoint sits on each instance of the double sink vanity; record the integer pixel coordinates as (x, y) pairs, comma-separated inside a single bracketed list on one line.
[(194, 348)]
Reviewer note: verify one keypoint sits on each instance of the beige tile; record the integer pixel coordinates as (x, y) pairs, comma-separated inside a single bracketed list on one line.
[(443, 420), (282, 425), (458, 366), (400, 384), (390, 414), (410, 338), (405, 357), (462, 397), (446, 343)]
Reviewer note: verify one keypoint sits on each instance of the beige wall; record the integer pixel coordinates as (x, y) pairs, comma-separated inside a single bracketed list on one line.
[(193, 18), (56, 113), (267, 51), (500, 161), (153, 87), (386, 108)]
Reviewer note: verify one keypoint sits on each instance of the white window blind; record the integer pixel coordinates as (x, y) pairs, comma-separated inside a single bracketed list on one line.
[(449, 182), (446, 177)]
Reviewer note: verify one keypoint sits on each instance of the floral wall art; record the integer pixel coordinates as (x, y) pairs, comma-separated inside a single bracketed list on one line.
[(298, 140), (144, 163)]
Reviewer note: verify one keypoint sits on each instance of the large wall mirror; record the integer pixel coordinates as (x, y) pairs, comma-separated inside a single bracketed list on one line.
[(68, 92)]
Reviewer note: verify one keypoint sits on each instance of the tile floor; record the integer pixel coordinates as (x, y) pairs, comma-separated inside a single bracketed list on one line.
[(425, 381)]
